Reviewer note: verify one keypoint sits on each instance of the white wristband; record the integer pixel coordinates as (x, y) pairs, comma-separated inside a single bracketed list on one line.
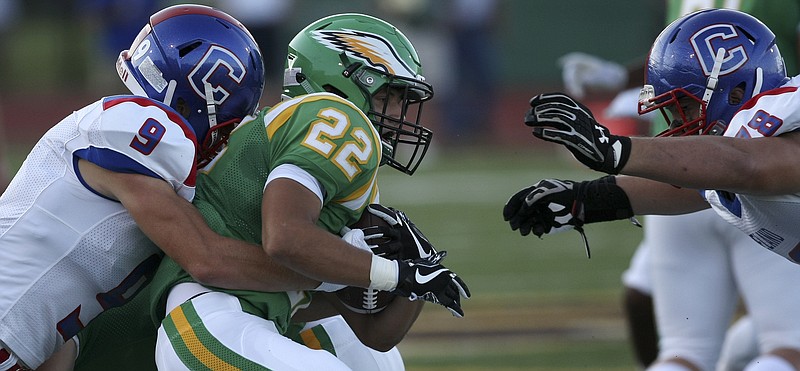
[(383, 274), (329, 287)]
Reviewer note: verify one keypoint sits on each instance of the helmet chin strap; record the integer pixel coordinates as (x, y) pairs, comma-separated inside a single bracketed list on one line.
[(170, 92), (713, 79), (211, 107), (759, 82)]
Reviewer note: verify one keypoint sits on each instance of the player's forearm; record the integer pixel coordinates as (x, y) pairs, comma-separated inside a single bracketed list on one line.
[(695, 162), (226, 262), (238, 265), (758, 166), (178, 228), (291, 235), (649, 197), (319, 254)]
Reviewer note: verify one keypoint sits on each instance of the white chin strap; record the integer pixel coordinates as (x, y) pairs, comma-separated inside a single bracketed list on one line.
[(759, 82), (170, 92), (713, 79), (211, 106)]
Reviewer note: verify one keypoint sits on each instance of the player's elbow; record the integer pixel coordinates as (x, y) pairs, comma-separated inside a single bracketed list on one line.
[(205, 272), (381, 335), (282, 247), (385, 344), (382, 341)]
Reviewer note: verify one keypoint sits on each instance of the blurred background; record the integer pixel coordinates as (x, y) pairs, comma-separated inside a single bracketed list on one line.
[(538, 304), (485, 58)]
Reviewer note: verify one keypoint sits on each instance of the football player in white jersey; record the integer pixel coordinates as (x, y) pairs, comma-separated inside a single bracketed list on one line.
[(687, 314), (77, 220), (703, 69)]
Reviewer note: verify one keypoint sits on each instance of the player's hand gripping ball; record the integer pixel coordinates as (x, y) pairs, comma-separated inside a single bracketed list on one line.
[(359, 299)]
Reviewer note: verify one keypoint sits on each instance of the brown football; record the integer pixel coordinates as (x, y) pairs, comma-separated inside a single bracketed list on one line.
[(358, 299)]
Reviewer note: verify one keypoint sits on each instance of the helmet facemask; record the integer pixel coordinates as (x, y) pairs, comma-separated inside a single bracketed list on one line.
[(215, 141), (675, 106), (395, 109)]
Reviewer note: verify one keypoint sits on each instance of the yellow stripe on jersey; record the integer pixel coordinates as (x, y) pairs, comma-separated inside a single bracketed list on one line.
[(366, 194), (282, 112)]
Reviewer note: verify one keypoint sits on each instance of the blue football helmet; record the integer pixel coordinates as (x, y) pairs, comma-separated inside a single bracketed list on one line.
[(705, 56), (203, 63)]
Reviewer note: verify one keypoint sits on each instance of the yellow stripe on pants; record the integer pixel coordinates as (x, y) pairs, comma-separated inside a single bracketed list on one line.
[(194, 344)]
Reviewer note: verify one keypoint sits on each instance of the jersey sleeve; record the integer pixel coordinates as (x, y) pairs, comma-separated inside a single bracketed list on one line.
[(333, 141), (139, 135)]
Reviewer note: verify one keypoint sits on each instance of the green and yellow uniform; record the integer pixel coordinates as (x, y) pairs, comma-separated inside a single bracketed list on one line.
[(321, 133)]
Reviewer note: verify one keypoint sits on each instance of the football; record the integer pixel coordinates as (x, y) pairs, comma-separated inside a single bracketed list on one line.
[(358, 299)]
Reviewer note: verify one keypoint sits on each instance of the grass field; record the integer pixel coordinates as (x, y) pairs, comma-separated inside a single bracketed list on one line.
[(538, 304)]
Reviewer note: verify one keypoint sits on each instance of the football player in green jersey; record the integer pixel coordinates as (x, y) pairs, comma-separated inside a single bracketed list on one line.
[(291, 179)]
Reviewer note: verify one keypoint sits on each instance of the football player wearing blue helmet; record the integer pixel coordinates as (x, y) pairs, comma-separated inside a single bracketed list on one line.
[(201, 62), (713, 67), (106, 191), (719, 79), (689, 313)]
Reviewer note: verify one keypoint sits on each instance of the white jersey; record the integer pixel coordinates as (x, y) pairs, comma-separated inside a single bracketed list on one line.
[(772, 221), (68, 252)]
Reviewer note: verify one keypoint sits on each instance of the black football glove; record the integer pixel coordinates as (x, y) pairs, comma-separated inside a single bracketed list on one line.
[(428, 280), (553, 205), (557, 118), (548, 206), (402, 241)]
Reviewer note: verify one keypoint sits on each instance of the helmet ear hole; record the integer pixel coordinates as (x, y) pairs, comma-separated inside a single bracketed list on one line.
[(188, 48), (736, 96), (332, 89), (183, 108)]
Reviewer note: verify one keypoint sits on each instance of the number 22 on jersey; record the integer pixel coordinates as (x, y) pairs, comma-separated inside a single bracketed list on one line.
[(347, 155)]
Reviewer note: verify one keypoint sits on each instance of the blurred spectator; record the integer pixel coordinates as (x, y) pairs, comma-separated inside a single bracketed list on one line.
[(9, 11), (266, 20), (468, 109), (110, 26)]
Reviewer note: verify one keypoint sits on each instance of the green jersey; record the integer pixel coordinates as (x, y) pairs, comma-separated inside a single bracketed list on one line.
[(321, 133)]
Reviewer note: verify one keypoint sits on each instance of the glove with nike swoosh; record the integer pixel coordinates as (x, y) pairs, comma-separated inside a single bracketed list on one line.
[(405, 240), (557, 118), (426, 279)]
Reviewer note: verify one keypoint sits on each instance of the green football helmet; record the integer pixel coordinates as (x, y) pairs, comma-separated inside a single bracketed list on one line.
[(357, 56)]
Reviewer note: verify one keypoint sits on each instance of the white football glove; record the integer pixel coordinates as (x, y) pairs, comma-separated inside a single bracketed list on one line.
[(582, 72), (356, 238)]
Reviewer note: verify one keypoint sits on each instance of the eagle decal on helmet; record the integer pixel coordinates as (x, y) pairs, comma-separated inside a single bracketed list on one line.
[(373, 49)]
